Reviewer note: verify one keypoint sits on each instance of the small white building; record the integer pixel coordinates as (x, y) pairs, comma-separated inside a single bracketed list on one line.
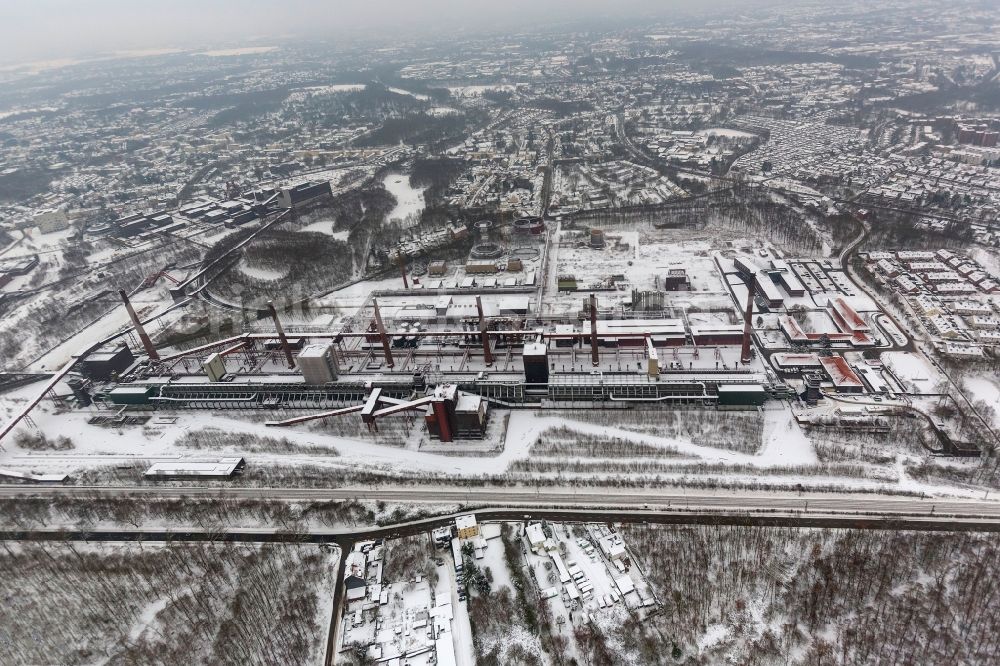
[(613, 547), (467, 526), (536, 536)]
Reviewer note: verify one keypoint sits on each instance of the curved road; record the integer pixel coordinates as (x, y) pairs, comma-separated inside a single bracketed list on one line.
[(845, 265)]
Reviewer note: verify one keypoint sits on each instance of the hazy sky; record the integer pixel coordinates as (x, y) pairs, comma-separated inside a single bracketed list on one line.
[(51, 29)]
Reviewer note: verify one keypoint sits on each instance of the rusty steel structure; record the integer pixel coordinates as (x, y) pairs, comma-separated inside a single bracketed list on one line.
[(380, 327), (595, 355), (745, 354), (281, 335), (487, 352), (147, 344)]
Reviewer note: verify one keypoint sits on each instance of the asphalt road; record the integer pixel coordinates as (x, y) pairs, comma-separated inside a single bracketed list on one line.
[(720, 502)]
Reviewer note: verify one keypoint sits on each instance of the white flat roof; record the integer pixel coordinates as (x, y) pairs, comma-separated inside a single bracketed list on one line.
[(220, 467), (314, 351), (463, 522), (740, 388), (639, 326), (534, 349)]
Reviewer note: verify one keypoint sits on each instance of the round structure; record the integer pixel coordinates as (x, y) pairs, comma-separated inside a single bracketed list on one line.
[(486, 250), (596, 238)]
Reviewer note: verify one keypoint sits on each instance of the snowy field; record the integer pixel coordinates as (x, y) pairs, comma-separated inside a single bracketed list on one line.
[(409, 200), (987, 390), (784, 456), (326, 227), (913, 370)]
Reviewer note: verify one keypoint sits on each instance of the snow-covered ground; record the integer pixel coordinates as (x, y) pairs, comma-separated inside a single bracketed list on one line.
[(231, 53), (409, 200), (785, 445), (913, 370), (326, 227), (259, 272), (986, 389), (400, 91), (784, 442), (477, 91), (728, 133)]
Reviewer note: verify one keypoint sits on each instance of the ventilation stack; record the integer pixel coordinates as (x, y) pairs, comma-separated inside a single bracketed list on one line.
[(745, 356), (139, 330), (401, 260), (487, 352), (380, 327), (595, 357), (281, 335)]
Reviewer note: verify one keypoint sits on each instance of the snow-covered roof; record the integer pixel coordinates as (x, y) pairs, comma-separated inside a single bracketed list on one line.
[(535, 534), (535, 349), (222, 467), (465, 522)]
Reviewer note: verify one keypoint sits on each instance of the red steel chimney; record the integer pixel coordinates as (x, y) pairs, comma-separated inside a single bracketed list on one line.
[(748, 320), (401, 260), (386, 347), (595, 358), (281, 335), (487, 352), (139, 330)]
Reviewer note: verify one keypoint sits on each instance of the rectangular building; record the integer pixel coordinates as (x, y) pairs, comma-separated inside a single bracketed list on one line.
[(741, 395), (467, 527), (104, 364), (318, 364), (632, 332), (222, 468), (718, 334), (844, 379)]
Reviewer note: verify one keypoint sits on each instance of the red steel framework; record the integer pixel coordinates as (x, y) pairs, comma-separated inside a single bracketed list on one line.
[(748, 320)]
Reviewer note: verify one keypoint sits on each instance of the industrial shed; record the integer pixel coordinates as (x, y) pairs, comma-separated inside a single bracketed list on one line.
[(221, 468), (741, 395)]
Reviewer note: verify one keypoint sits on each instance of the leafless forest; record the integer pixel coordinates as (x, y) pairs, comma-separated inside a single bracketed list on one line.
[(173, 604), (761, 595), (151, 512), (510, 625)]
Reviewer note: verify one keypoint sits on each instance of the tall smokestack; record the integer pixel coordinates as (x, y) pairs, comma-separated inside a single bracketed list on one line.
[(281, 335), (386, 347), (595, 358), (748, 319), (401, 260), (487, 353), (139, 330)]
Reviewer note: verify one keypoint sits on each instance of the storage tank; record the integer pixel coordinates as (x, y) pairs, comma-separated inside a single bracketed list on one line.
[(596, 238)]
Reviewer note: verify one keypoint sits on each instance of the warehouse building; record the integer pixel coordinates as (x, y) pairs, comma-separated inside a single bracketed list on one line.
[(718, 334), (844, 379), (787, 278), (303, 194), (741, 395), (663, 332), (222, 468), (104, 364)]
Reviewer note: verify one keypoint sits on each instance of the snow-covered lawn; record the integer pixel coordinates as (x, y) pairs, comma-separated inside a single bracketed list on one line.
[(409, 200)]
